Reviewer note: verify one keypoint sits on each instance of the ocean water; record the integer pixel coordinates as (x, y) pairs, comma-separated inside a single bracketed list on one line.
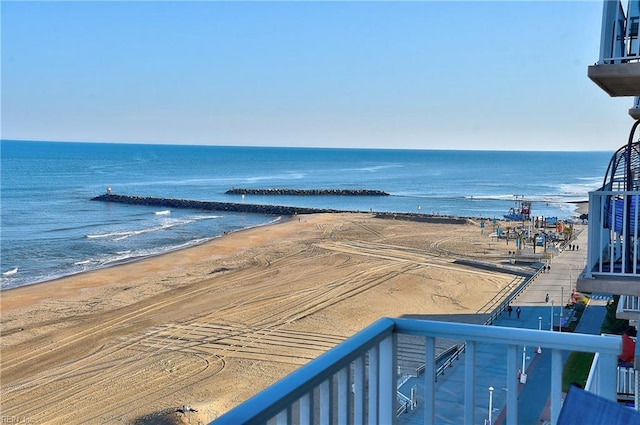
[(50, 227)]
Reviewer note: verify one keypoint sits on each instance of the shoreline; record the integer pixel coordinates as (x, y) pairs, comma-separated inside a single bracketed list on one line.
[(582, 207), (213, 324), (277, 220), (431, 218)]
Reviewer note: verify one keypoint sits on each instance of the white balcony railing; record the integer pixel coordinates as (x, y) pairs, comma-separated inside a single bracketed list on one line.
[(619, 38), (629, 304), (355, 382), (612, 214), (626, 380)]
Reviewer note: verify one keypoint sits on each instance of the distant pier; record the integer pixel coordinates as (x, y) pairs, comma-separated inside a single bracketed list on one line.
[(306, 192)]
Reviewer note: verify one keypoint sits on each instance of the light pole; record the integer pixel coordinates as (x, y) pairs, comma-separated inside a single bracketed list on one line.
[(539, 323), (523, 375), (561, 304), (539, 350), (490, 403), (551, 327)]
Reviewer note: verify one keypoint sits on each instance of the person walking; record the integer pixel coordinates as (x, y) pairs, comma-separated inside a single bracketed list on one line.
[(509, 310), (518, 311)]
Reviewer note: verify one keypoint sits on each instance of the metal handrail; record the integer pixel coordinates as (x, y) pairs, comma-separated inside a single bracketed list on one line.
[(279, 398)]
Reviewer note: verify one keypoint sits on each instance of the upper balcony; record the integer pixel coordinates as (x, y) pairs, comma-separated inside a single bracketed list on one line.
[(617, 71), (613, 252), (356, 382), (613, 260)]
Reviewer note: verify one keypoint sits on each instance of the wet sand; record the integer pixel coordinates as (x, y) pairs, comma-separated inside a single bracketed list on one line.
[(213, 325)]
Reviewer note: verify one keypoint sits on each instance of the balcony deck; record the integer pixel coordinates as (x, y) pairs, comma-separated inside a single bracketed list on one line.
[(613, 262), (617, 71), (621, 79)]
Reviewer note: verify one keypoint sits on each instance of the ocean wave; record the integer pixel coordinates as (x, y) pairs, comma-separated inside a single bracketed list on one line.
[(286, 176), (169, 224), (373, 168), (120, 257), (580, 188), (10, 272)]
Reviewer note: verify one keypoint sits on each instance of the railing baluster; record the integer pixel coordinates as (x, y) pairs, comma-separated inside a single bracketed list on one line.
[(636, 388), (614, 234), (634, 246), (430, 381), (607, 381), (325, 402), (373, 386), (358, 391), (343, 396), (388, 380), (469, 381), (556, 384), (282, 418), (512, 384), (305, 409)]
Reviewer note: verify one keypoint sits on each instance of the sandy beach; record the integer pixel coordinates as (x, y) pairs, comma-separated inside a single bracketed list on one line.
[(213, 325)]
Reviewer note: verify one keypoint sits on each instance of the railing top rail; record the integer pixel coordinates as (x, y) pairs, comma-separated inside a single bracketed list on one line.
[(506, 335), (270, 402), (602, 192)]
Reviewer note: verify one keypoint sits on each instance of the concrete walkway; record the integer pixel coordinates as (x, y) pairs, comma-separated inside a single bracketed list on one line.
[(536, 313)]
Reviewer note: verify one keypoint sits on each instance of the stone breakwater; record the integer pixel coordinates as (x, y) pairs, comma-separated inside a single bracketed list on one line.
[(211, 206), (263, 209), (306, 192)]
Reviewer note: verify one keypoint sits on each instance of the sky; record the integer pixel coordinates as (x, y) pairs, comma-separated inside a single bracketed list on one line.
[(504, 75)]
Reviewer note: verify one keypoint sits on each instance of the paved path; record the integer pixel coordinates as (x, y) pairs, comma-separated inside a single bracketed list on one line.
[(533, 406)]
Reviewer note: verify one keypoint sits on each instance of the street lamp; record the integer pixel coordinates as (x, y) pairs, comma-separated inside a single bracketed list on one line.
[(551, 327), (523, 375), (561, 304), (539, 349), (490, 403)]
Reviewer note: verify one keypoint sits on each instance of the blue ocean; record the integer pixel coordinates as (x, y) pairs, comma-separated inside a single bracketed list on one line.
[(51, 228)]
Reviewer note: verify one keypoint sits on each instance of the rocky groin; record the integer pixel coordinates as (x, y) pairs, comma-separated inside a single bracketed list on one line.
[(212, 206), (438, 219), (306, 192)]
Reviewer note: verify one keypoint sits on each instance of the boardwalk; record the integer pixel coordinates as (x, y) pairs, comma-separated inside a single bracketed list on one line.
[(536, 312)]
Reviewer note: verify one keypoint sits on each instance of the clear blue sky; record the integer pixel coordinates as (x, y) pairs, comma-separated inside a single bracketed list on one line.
[(425, 75)]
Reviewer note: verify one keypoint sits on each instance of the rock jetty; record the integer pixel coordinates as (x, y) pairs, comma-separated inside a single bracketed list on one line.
[(263, 209), (211, 206), (306, 192)]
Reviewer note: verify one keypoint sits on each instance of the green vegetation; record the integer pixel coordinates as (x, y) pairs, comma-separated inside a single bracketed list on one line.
[(576, 369), (611, 324)]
